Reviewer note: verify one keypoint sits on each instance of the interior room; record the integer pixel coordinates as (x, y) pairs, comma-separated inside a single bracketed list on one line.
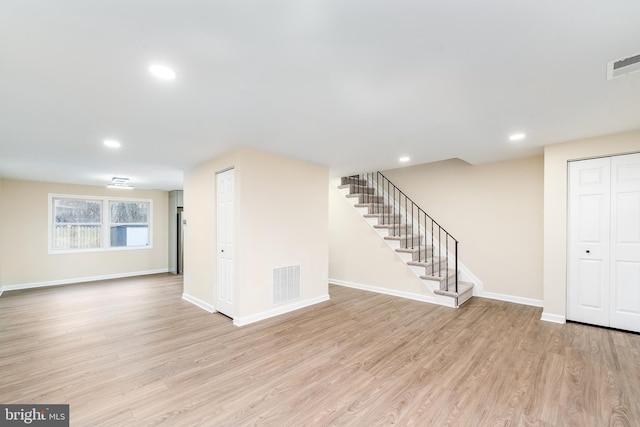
[(320, 213)]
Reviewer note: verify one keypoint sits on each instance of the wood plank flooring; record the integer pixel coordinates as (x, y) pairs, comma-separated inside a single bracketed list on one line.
[(131, 352)]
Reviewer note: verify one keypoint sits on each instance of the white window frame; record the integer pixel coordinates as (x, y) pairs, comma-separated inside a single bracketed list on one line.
[(105, 236)]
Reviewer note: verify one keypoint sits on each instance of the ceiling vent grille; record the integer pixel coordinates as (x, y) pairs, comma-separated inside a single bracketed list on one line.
[(623, 66)]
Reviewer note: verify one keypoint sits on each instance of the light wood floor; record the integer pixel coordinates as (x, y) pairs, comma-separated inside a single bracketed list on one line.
[(131, 352)]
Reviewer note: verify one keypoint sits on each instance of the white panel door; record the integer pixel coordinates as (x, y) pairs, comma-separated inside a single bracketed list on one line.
[(588, 246), (225, 247), (625, 242)]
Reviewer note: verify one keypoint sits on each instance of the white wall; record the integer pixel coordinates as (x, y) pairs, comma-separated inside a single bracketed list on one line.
[(24, 221), (555, 209), (281, 219)]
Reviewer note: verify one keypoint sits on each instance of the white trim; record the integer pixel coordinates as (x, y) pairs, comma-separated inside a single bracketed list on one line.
[(511, 298), (198, 302), (242, 321), (554, 318), (438, 300), (79, 280)]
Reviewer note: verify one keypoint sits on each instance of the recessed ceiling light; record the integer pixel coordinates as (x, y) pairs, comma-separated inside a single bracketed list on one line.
[(162, 72), (111, 143), (517, 137), (404, 159)]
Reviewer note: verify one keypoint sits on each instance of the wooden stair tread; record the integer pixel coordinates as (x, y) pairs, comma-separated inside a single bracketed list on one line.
[(404, 237), (415, 249), (451, 273), (428, 262)]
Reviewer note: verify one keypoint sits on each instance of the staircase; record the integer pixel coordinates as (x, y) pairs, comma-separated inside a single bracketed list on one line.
[(427, 248)]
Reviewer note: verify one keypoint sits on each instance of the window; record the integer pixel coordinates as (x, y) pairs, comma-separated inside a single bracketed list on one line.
[(129, 223), (77, 224), (85, 223)]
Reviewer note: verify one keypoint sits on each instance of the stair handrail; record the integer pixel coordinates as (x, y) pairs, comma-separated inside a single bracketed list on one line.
[(395, 197)]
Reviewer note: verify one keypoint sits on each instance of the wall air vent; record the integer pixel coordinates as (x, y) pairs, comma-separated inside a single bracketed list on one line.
[(286, 284), (623, 66)]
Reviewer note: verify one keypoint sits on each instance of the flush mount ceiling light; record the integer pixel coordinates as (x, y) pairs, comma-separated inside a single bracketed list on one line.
[(404, 159), (516, 137), (111, 143), (117, 182), (162, 72)]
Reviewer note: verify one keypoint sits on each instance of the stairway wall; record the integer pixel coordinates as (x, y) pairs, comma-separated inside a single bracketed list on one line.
[(495, 211), (358, 255)]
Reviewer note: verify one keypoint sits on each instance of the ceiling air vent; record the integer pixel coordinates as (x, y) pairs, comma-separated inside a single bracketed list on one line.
[(623, 66)]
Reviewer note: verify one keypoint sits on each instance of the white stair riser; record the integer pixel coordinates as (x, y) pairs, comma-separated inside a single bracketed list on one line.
[(406, 257), (372, 221), (382, 232), (393, 243)]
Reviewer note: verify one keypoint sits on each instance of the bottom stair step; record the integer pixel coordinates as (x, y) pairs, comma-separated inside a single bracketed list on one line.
[(465, 292)]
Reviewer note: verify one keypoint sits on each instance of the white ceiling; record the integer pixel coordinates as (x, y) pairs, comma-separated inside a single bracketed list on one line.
[(350, 84)]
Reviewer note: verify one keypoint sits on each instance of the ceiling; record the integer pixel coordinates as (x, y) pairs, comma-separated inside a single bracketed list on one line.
[(350, 84)]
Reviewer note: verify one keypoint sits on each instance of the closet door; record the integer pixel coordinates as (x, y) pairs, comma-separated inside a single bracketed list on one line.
[(625, 242), (588, 243)]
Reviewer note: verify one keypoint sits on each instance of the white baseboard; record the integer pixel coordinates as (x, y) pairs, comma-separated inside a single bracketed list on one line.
[(426, 298), (554, 318), (242, 321), (444, 301), (511, 298), (78, 280), (198, 302)]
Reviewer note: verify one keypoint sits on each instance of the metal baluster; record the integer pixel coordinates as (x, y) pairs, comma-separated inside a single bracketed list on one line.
[(456, 254), (406, 230), (447, 260), (439, 250)]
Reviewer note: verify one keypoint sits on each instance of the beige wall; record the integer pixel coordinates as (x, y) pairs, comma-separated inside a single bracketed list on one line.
[(555, 209), (494, 210), (24, 257), (281, 218)]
